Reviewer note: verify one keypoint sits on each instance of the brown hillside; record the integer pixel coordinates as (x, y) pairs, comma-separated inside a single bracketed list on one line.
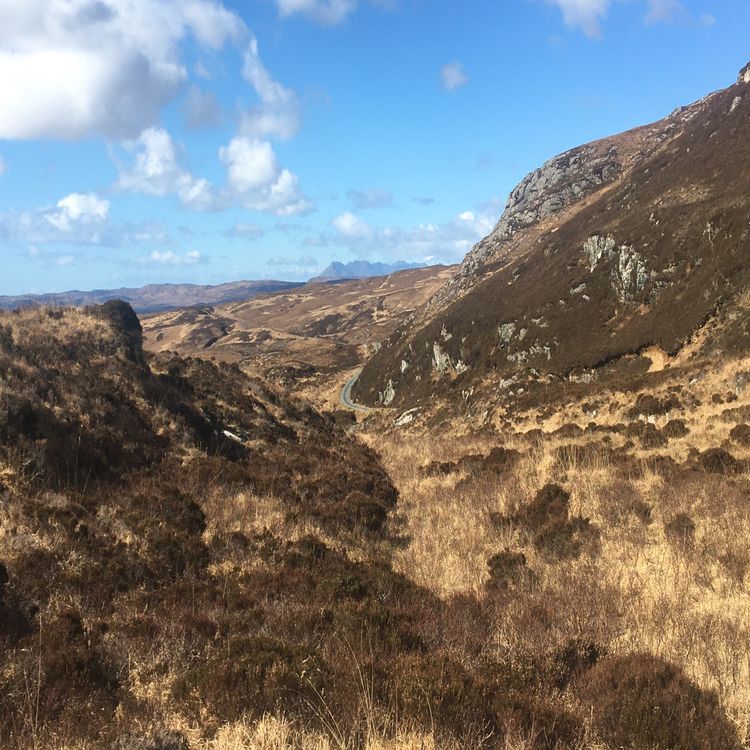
[(645, 263)]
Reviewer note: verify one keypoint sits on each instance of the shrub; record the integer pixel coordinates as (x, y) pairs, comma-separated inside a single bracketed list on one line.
[(740, 434), (553, 532), (680, 530), (640, 701), (571, 660), (649, 405), (719, 461), (507, 570), (675, 428)]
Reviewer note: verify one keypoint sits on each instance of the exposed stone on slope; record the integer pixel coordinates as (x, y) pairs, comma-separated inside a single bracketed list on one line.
[(645, 260), (561, 183)]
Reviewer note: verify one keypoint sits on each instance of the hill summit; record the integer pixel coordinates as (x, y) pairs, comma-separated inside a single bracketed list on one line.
[(628, 244)]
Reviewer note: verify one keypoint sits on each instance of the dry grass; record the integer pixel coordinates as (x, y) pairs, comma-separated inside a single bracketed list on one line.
[(638, 590)]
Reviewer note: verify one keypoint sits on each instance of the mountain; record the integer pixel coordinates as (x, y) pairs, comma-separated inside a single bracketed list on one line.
[(154, 297), (632, 244), (305, 334), (362, 269)]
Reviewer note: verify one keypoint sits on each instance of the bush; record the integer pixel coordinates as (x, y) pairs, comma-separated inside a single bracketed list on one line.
[(680, 530), (642, 702), (740, 434), (553, 532), (719, 461), (507, 570)]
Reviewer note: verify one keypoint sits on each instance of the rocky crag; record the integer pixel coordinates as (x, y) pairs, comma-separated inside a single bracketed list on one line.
[(629, 243)]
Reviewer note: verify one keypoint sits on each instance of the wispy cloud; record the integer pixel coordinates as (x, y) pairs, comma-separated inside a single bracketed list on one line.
[(171, 258), (453, 76), (370, 198)]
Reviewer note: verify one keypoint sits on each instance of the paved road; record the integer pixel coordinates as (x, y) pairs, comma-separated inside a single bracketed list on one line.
[(346, 394)]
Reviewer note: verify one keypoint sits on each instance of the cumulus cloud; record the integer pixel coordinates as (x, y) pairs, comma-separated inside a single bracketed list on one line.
[(453, 76), (351, 227), (328, 12), (171, 258), (78, 209), (77, 220), (202, 109), (277, 115), (256, 181), (158, 170), (83, 67)]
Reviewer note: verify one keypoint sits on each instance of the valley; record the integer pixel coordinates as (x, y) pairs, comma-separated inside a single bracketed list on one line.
[(503, 505)]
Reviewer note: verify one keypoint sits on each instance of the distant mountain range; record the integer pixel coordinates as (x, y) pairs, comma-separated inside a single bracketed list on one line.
[(362, 269), (164, 297), (154, 297)]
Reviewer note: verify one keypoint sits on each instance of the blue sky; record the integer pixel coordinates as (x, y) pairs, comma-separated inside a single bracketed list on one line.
[(151, 141)]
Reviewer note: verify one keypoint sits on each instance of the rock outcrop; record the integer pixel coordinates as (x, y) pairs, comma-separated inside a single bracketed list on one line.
[(632, 242)]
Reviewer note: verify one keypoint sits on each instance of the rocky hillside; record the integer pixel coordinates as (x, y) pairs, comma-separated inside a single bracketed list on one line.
[(627, 244), (190, 560)]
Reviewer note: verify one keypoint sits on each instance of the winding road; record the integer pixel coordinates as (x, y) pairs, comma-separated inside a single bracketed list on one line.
[(346, 395)]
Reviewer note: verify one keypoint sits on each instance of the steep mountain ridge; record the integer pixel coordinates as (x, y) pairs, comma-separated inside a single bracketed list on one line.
[(362, 269), (560, 289)]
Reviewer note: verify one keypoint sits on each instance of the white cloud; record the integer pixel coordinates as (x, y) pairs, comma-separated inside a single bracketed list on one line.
[(78, 209), (245, 231), (584, 14), (202, 109), (453, 76), (352, 227), (3, 166), (169, 257), (158, 170), (447, 242), (587, 15), (329, 12), (278, 112), (256, 181), (64, 261), (81, 67)]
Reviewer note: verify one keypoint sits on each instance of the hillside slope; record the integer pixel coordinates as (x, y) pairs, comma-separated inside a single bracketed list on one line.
[(584, 271), (308, 333)]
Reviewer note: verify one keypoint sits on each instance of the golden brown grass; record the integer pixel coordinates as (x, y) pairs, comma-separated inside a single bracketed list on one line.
[(638, 591)]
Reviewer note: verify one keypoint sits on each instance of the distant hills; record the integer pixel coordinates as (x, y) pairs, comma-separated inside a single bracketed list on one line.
[(362, 269), (154, 297)]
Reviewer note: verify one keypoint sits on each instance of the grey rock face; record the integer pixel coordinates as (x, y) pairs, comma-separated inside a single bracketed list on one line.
[(595, 248), (630, 274), (556, 185), (744, 76), (389, 395)]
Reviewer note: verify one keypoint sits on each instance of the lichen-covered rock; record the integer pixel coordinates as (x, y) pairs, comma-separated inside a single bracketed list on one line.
[(596, 248), (630, 274)]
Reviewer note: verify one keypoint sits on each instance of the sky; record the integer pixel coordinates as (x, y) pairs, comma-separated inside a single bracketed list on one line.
[(166, 141)]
